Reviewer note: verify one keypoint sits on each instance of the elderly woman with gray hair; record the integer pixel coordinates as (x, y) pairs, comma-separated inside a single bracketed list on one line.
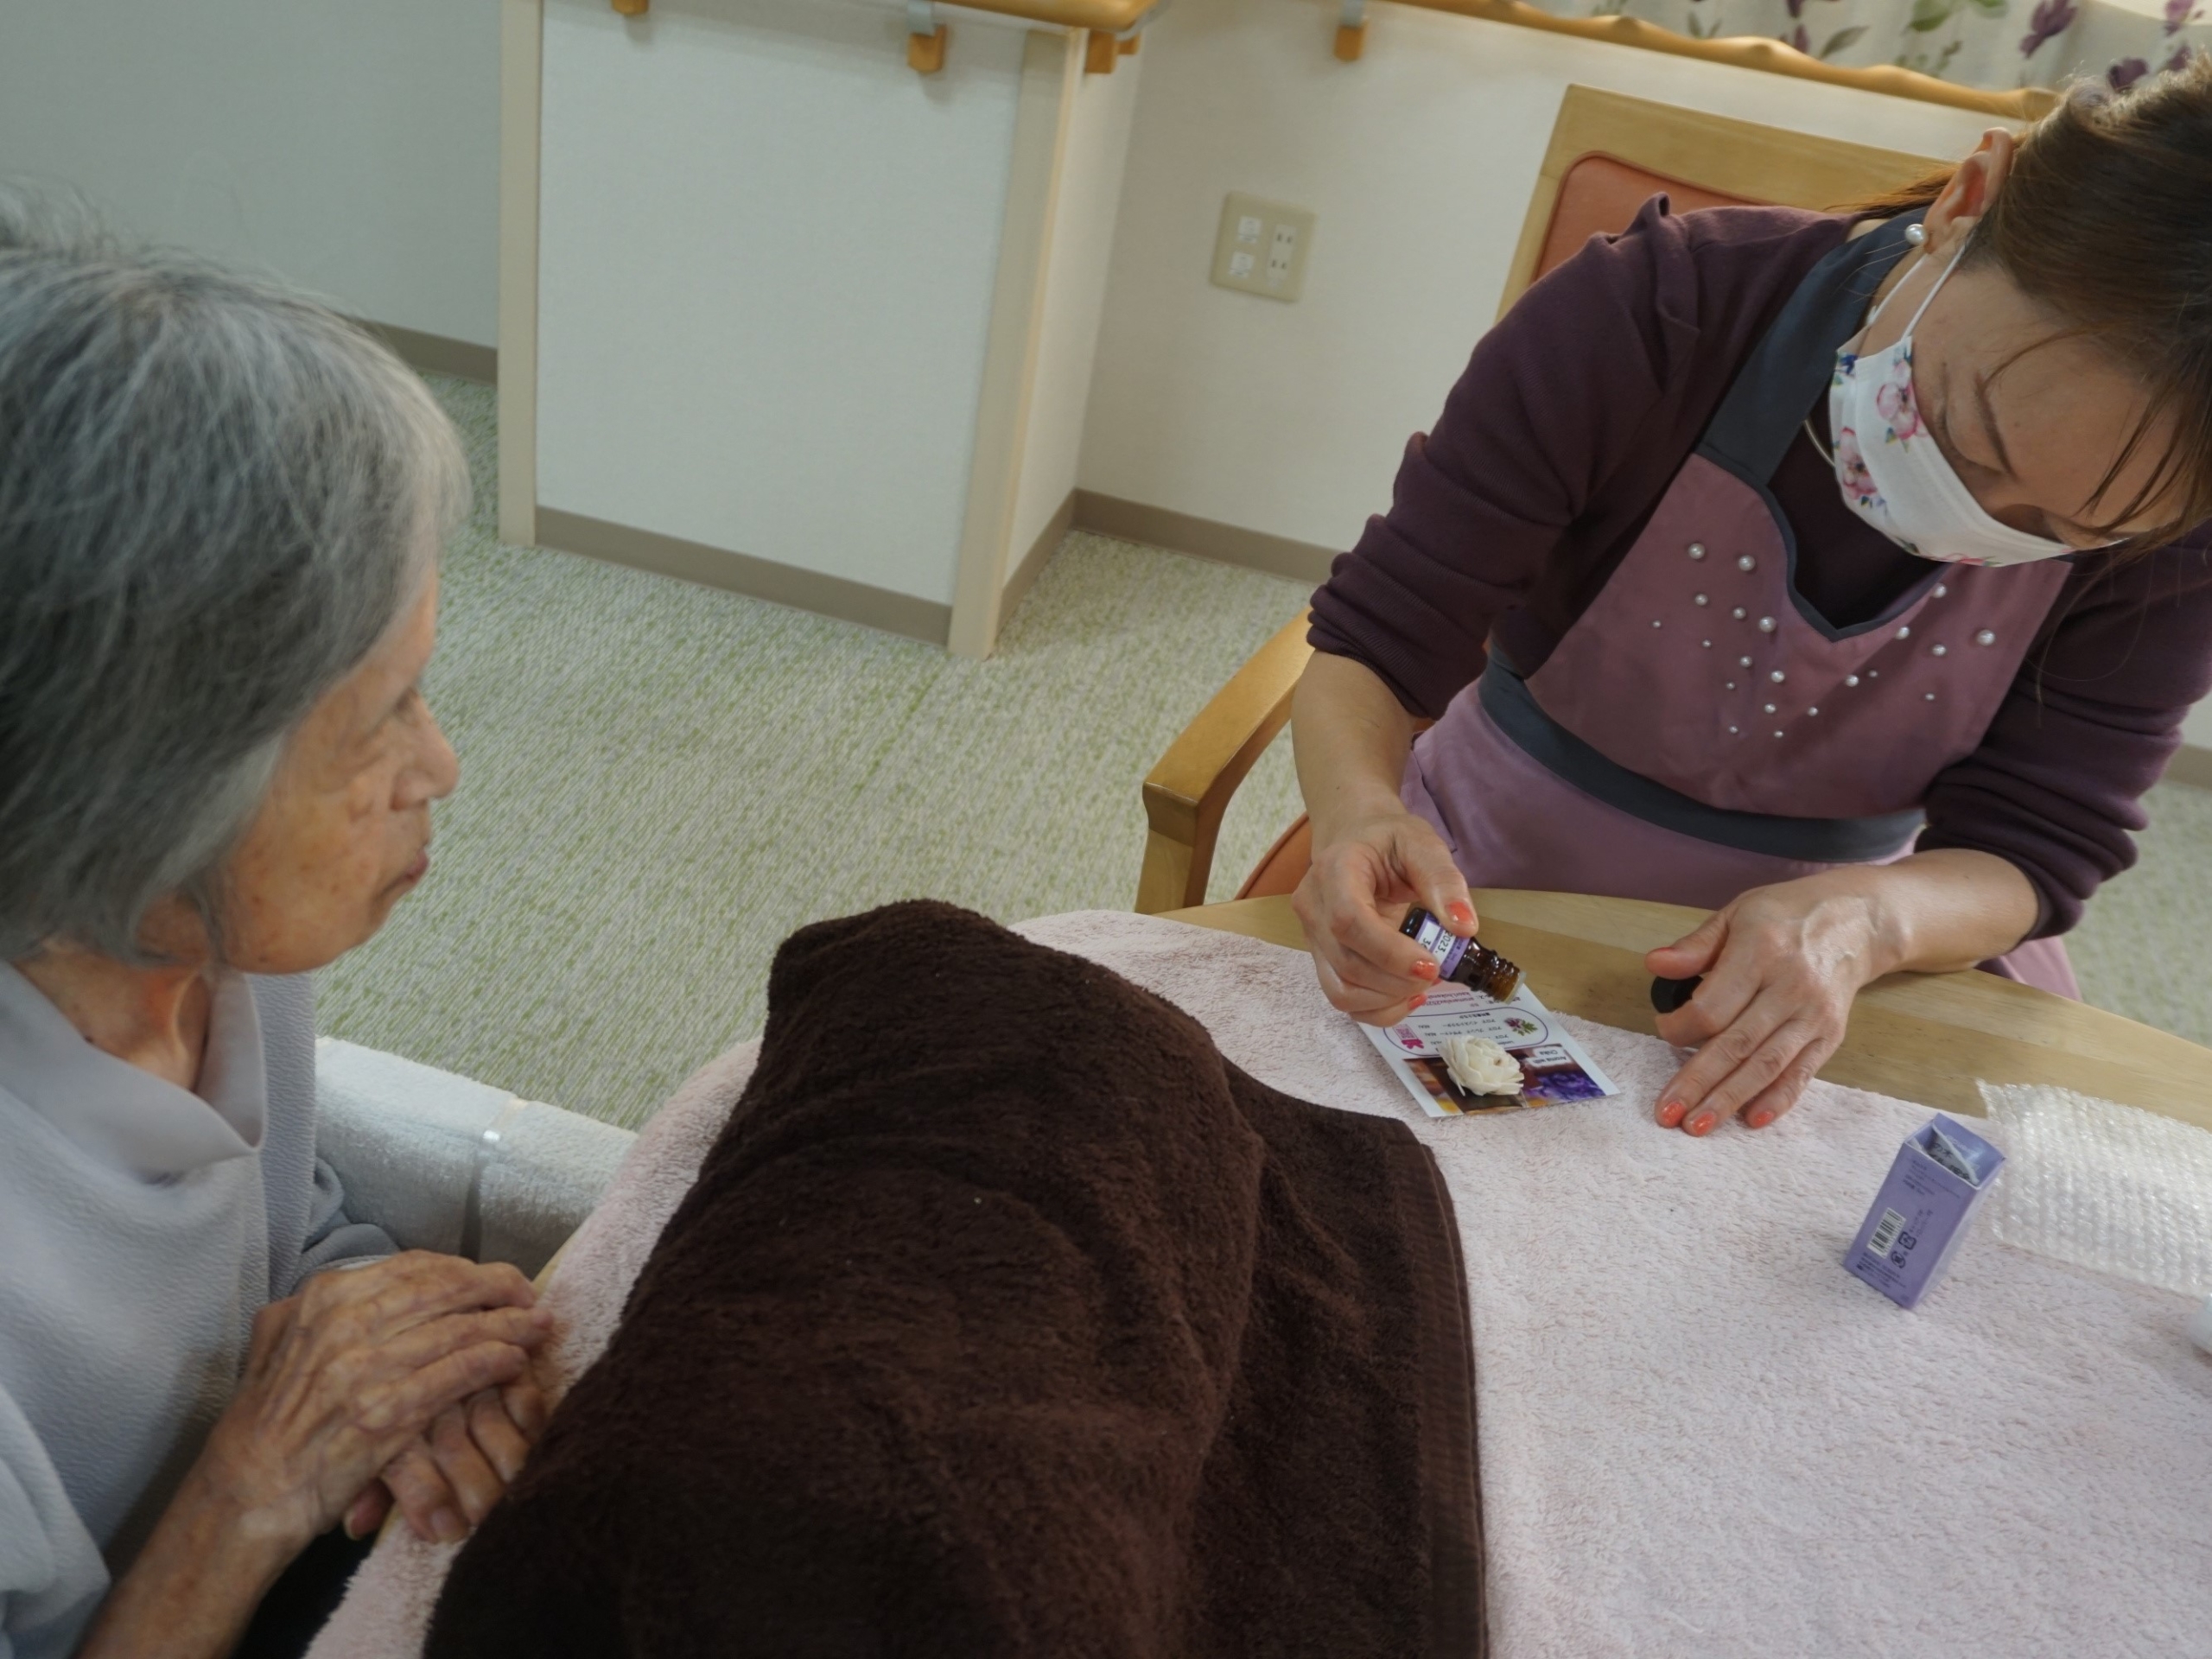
[(220, 514)]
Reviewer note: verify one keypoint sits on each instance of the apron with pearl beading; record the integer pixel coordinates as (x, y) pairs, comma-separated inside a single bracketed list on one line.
[(1700, 729)]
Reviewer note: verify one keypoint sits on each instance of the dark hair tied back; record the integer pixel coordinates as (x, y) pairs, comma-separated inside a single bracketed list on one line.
[(2106, 221)]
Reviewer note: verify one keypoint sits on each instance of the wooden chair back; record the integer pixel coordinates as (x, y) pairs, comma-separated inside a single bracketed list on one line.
[(1610, 153)]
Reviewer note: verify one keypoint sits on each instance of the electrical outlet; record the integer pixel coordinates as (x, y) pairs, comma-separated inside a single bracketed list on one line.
[(1262, 246)]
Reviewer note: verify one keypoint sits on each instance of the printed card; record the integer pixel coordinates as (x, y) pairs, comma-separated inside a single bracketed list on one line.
[(1553, 1067)]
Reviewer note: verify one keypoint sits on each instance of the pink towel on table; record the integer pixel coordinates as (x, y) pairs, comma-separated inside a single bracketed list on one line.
[(386, 1611), (1698, 1435)]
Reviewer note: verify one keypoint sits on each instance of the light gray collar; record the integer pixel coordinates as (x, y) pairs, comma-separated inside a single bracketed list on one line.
[(130, 1118)]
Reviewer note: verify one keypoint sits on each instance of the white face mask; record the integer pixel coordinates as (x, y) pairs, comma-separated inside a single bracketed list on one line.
[(1892, 472)]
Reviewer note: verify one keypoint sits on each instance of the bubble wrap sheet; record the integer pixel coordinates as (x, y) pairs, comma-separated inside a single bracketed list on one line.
[(2108, 1187)]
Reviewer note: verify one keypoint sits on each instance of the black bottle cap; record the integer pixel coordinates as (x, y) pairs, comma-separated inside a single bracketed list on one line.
[(1668, 995)]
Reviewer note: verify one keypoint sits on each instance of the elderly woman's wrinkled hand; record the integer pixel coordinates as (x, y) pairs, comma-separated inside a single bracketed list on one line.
[(342, 1378), (447, 1482)]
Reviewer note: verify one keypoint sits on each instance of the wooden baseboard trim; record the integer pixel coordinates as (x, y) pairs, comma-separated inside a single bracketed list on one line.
[(2191, 764), (741, 573), (1039, 556), (438, 353), (1205, 538)]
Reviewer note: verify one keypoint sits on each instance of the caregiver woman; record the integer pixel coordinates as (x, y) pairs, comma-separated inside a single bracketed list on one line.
[(1844, 574), (220, 510)]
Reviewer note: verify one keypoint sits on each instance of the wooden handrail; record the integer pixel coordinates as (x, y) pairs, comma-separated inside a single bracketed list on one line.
[(1745, 51), (1107, 17), (1119, 18)]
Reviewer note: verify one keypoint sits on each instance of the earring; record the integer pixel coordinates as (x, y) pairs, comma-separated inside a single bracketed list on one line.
[(1916, 234)]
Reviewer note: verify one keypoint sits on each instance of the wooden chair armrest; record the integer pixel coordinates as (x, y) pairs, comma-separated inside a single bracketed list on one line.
[(1188, 790)]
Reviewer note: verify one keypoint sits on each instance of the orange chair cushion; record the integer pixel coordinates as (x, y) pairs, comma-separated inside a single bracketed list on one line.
[(1282, 866), (1599, 196)]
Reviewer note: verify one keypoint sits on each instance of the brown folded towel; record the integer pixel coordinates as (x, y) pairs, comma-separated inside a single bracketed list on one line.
[(1008, 1318)]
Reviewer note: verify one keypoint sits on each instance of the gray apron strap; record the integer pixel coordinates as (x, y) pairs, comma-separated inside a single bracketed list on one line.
[(1758, 418), (1506, 699)]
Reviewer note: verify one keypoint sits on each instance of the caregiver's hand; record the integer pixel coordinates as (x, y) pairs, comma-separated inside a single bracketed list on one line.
[(1781, 964), (1371, 856), (338, 1380), (1352, 899)]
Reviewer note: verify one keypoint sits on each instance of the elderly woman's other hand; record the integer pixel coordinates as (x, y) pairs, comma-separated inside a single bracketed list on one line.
[(449, 1480), (344, 1376)]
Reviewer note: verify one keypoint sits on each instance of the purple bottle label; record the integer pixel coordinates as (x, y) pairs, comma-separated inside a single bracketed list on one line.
[(1447, 947)]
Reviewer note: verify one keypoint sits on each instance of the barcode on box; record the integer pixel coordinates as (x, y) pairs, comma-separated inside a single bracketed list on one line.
[(1885, 1232)]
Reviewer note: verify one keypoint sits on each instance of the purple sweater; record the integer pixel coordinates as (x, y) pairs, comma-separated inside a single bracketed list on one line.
[(1569, 423)]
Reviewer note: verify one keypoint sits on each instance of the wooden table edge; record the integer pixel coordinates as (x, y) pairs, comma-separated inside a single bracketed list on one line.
[(1928, 1037)]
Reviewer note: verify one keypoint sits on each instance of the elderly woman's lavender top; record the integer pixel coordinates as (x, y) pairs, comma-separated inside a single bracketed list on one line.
[(142, 1227), (1560, 439)]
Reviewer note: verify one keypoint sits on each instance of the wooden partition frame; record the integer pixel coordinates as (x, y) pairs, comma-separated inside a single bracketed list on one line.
[(1051, 75), (522, 53), (1053, 70)]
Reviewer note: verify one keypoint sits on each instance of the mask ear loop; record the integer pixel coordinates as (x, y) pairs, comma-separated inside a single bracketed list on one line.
[(1927, 300), (1930, 298)]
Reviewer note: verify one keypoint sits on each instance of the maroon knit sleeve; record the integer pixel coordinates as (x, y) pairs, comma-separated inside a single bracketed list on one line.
[(1552, 399), (2088, 725)]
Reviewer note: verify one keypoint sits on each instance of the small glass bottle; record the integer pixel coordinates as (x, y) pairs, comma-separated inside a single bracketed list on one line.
[(1462, 961)]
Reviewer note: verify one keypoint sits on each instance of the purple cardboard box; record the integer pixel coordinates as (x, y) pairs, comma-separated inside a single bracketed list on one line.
[(1921, 1212)]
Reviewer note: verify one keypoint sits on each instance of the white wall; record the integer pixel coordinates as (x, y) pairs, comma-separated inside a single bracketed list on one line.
[(766, 250), (349, 145), (1418, 159), (2198, 728), (1075, 295)]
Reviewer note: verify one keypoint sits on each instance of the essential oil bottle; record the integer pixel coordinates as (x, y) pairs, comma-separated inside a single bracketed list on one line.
[(1462, 961)]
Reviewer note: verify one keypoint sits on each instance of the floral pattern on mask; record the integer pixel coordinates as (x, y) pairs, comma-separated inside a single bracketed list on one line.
[(1863, 401), (1850, 462), (1901, 416), (1851, 470), (1894, 400)]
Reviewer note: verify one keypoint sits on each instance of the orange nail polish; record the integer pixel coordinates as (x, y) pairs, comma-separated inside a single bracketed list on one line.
[(1701, 1123), (1671, 1113), (1416, 1002), (1760, 1119), (1460, 914)]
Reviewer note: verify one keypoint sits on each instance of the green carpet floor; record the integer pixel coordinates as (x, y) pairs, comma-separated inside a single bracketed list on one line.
[(660, 781)]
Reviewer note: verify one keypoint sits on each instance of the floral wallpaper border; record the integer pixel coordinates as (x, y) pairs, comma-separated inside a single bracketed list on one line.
[(1999, 45)]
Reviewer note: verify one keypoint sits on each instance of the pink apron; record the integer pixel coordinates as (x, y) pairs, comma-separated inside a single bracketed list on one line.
[(1699, 730)]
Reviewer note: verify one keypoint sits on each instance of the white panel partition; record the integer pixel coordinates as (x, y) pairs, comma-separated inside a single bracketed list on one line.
[(347, 145), (1289, 419), (766, 257)]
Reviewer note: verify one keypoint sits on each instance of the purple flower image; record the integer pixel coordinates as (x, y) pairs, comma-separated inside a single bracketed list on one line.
[(2051, 18), (2179, 14), (2125, 73), (1801, 38), (2179, 61)]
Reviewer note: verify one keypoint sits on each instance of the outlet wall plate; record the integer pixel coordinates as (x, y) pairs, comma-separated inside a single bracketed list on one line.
[(1262, 247)]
